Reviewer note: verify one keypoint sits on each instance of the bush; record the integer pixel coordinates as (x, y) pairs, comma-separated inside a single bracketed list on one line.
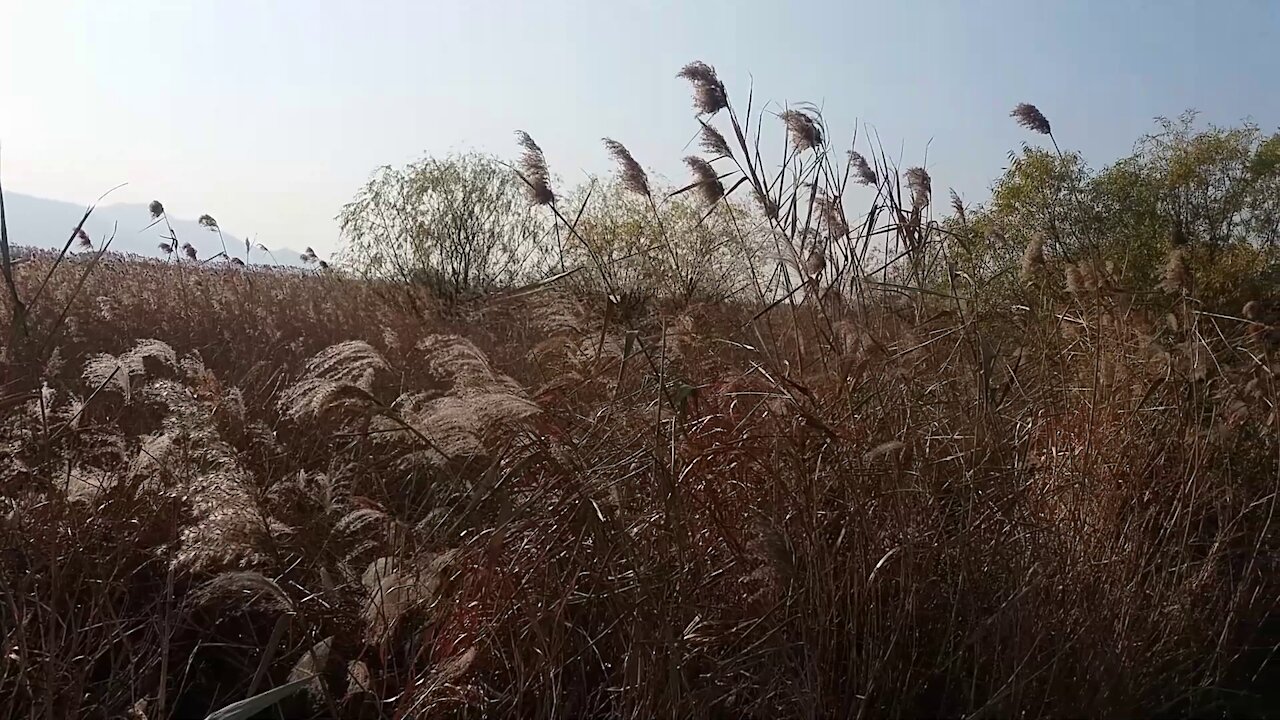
[(456, 224)]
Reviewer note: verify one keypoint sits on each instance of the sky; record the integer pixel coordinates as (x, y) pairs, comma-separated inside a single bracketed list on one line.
[(270, 115)]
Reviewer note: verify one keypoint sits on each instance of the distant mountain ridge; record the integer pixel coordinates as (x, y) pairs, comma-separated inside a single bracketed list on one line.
[(43, 223)]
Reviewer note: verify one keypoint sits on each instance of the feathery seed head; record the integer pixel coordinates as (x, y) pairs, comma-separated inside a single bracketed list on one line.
[(156, 209), (633, 176), (533, 170), (831, 211), (1177, 273), (207, 221), (815, 264), (862, 171), (166, 248), (957, 206), (709, 96), (1033, 262), (713, 143), (806, 132), (921, 186), (189, 251), (768, 204), (709, 185), (1075, 280), (82, 239), (1030, 117)]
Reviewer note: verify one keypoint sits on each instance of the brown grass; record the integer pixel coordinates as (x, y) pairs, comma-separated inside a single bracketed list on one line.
[(1054, 515)]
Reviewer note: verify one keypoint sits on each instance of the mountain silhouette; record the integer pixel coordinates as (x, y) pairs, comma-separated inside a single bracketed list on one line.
[(42, 223)]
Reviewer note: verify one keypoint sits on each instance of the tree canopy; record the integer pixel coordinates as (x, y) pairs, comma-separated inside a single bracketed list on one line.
[(458, 223), (1213, 191)]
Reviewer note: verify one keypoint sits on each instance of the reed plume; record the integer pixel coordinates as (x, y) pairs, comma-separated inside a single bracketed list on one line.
[(632, 175), (712, 142), (862, 172), (921, 186), (533, 170), (708, 182), (1030, 117), (1177, 273), (1033, 260), (805, 130), (709, 95)]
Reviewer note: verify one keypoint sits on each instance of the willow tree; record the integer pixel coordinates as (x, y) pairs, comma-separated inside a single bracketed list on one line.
[(458, 224)]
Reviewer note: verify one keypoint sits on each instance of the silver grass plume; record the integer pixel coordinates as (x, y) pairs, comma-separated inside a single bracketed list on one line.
[(709, 186), (393, 586), (1030, 117), (805, 131), (712, 142), (338, 377), (632, 175), (921, 186), (1177, 273), (1033, 261), (533, 170), (709, 96), (146, 357), (862, 171), (832, 213)]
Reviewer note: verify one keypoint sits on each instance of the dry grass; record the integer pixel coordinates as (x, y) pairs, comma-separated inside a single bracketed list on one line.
[(1053, 515), (856, 503)]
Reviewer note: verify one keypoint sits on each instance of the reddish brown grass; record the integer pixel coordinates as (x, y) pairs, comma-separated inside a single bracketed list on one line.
[(1067, 512)]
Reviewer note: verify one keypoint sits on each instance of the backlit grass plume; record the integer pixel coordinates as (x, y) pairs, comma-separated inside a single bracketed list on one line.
[(804, 128), (533, 170), (712, 142), (632, 175), (862, 172), (709, 95), (831, 210), (706, 178), (1030, 117), (1177, 273), (921, 186), (1033, 260), (105, 371), (339, 378)]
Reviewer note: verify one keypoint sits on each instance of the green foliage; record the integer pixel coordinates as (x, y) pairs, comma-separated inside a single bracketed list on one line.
[(1215, 190), (672, 247), (456, 224), (1042, 194)]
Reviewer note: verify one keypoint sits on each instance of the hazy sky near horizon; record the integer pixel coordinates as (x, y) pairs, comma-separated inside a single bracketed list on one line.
[(270, 115)]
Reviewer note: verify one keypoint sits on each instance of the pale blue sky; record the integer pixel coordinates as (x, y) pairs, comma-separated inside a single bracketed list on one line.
[(269, 115)]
